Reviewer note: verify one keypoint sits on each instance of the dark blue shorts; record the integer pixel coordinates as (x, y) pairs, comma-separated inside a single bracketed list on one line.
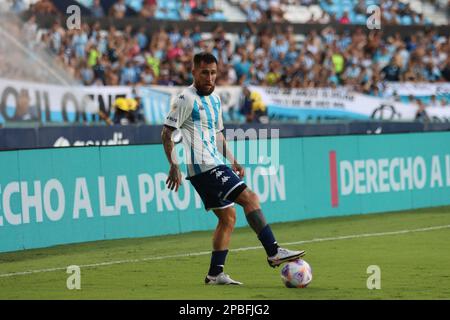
[(218, 187)]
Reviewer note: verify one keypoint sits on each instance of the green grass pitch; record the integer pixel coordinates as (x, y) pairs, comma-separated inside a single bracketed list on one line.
[(414, 263)]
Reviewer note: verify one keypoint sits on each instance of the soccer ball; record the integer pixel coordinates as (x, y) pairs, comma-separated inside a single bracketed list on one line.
[(296, 274)]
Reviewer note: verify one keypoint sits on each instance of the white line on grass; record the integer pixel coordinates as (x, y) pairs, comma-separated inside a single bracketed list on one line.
[(202, 253)]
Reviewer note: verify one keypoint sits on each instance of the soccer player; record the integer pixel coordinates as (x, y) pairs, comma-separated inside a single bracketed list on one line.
[(198, 115)]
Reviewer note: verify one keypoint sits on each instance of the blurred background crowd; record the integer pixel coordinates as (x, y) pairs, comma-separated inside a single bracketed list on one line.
[(259, 54), (411, 12), (269, 57)]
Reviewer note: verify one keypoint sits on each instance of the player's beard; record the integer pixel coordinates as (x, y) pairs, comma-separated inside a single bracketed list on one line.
[(203, 92)]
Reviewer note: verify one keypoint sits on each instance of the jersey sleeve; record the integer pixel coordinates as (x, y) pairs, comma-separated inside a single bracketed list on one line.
[(219, 124), (179, 112)]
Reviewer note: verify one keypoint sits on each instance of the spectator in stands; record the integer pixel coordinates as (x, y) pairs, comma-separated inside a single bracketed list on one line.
[(254, 14), (246, 106), (57, 34), (97, 10), (100, 70), (390, 16), (87, 74), (128, 74), (345, 19), (274, 75), (149, 9), (80, 40), (228, 76), (242, 67), (186, 39), (24, 112), (30, 29), (338, 61), (391, 72), (147, 76), (185, 10), (445, 72), (118, 10), (202, 10), (45, 7), (275, 12), (196, 35), (142, 38), (361, 7), (165, 79), (352, 72), (174, 52), (409, 75), (281, 46), (421, 114), (432, 73)]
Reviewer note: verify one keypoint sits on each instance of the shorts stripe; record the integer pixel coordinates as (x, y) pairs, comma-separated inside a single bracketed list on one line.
[(234, 187), (228, 205)]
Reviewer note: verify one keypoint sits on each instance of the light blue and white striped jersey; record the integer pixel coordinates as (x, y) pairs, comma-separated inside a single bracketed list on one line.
[(199, 118)]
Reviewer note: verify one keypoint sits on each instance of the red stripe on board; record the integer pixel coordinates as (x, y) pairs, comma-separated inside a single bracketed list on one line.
[(333, 180)]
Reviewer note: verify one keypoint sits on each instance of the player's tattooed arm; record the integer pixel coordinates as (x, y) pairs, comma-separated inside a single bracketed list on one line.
[(174, 178), (223, 149)]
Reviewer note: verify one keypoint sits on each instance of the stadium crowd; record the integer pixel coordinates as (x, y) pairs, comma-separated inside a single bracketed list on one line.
[(158, 9), (266, 57), (394, 12)]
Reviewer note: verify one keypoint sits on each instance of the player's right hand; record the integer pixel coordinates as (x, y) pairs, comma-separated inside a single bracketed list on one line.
[(174, 179), (239, 170)]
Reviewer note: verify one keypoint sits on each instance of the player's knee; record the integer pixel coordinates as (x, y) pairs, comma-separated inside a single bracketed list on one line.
[(228, 225), (228, 221), (232, 221)]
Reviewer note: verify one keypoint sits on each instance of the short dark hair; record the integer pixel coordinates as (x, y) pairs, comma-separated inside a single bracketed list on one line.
[(204, 57)]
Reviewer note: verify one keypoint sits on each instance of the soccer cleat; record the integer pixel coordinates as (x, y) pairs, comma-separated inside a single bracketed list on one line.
[(221, 279), (284, 255)]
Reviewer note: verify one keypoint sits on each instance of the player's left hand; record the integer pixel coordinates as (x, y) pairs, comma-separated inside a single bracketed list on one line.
[(239, 170)]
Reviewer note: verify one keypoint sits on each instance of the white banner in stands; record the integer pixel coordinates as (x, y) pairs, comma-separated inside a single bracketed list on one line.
[(439, 114), (332, 103), (24, 101), (418, 89)]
